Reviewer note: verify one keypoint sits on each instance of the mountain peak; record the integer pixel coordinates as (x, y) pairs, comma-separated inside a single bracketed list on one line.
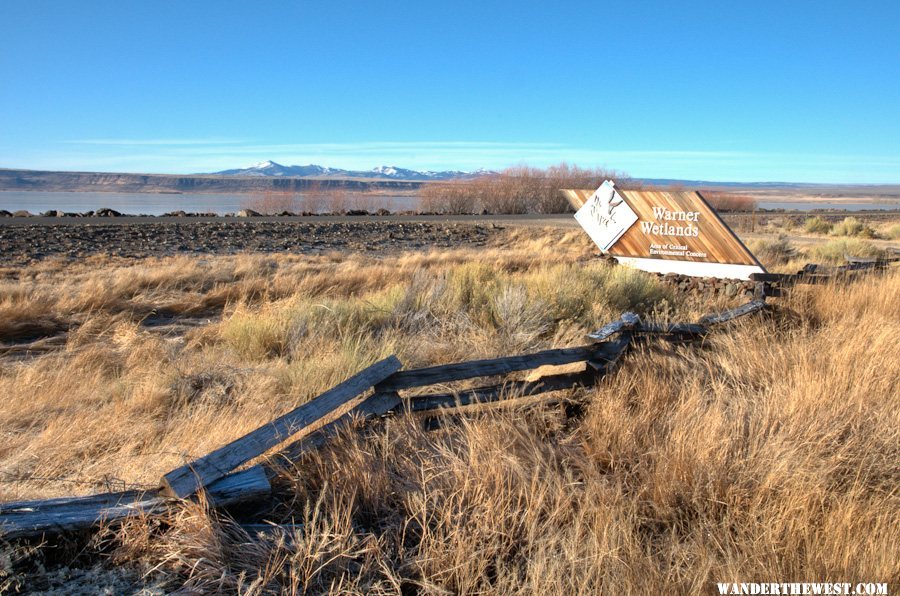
[(271, 168), (265, 164)]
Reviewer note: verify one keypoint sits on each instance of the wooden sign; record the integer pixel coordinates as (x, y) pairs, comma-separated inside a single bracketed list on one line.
[(662, 231)]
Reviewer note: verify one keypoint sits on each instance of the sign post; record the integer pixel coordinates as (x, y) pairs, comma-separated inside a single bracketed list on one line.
[(662, 232)]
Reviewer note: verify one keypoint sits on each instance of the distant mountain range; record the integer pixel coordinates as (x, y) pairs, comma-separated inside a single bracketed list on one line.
[(270, 168), (270, 176)]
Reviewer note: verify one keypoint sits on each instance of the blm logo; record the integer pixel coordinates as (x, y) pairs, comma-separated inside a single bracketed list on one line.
[(606, 216)]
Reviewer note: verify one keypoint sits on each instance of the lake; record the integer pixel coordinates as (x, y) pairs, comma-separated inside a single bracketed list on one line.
[(134, 203), (811, 205)]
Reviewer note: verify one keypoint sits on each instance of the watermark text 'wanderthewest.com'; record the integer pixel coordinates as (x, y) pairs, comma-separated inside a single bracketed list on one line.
[(791, 588)]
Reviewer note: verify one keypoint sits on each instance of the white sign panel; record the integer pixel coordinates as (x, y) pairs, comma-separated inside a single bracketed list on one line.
[(606, 216)]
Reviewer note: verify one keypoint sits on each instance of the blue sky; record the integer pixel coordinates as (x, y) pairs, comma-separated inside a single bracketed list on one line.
[(749, 91)]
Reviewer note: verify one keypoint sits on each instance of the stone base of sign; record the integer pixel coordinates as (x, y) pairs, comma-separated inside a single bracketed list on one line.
[(709, 288)]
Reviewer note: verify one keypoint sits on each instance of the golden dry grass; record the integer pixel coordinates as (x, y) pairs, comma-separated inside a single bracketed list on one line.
[(769, 453)]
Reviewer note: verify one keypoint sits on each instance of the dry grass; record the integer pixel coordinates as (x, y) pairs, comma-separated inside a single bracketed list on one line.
[(851, 226), (774, 251), (768, 454)]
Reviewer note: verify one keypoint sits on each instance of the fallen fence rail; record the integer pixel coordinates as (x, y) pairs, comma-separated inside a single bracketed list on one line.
[(216, 476), (224, 487), (813, 273)]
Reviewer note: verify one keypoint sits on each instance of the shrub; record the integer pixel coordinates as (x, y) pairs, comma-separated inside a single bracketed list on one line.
[(271, 202), (892, 232), (853, 227), (817, 225), (838, 250), (453, 198), (774, 251), (727, 201), (590, 294), (521, 189)]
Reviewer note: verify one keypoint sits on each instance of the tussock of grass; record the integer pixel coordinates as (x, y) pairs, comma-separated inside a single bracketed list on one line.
[(774, 251), (891, 232), (836, 251), (817, 225), (519, 308), (851, 226)]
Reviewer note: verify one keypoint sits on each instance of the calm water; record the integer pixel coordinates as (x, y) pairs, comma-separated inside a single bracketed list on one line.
[(808, 206), (157, 204)]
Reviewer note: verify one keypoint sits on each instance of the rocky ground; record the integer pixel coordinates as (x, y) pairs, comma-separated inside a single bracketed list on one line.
[(23, 244)]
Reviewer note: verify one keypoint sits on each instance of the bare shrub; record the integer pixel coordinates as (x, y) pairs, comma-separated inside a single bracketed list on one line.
[(453, 197), (272, 202), (516, 190), (729, 201)]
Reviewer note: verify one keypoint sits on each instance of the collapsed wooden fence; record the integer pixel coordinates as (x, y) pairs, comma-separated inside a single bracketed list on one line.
[(217, 475)]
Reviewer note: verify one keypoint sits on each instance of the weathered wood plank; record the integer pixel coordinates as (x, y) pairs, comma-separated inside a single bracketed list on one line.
[(188, 479), (774, 277), (628, 320), (420, 377), (375, 405), (860, 260), (492, 393), (603, 360), (674, 330), (33, 518), (728, 315)]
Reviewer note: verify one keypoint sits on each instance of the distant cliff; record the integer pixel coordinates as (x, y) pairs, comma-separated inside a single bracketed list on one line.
[(164, 183)]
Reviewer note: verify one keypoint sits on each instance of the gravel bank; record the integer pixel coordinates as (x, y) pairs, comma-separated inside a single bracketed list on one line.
[(22, 244)]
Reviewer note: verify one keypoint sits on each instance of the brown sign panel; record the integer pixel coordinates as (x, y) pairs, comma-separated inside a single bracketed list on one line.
[(662, 231)]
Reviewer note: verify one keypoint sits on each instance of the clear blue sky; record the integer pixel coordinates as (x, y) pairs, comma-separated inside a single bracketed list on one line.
[(745, 91)]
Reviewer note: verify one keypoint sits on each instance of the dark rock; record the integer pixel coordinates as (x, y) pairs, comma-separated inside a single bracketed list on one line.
[(107, 212), (5, 213), (357, 212), (286, 213), (382, 212), (226, 236)]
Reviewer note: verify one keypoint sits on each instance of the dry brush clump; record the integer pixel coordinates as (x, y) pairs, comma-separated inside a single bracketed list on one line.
[(315, 198), (516, 190), (768, 452), (729, 201)]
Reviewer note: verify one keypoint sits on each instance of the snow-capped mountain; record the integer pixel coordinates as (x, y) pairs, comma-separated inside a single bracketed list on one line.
[(270, 168)]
